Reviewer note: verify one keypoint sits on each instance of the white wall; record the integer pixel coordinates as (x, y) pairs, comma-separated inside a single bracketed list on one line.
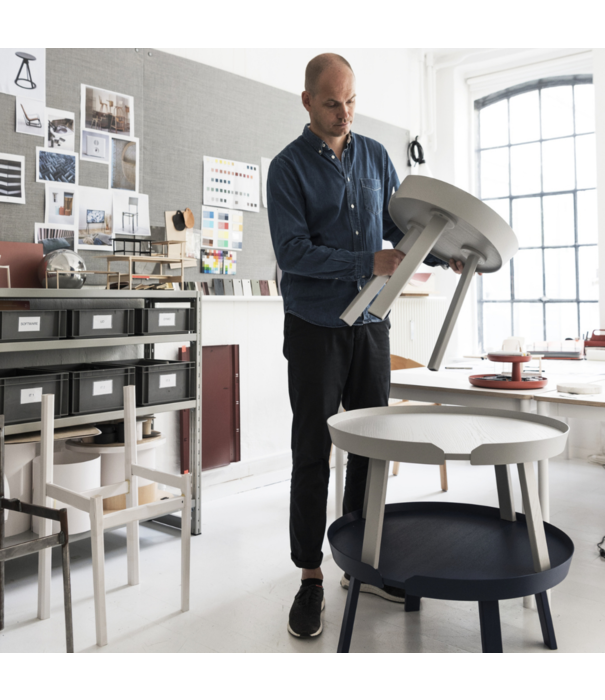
[(384, 76)]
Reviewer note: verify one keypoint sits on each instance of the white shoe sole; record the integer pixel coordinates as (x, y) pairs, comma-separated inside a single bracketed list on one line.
[(315, 634), (367, 588)]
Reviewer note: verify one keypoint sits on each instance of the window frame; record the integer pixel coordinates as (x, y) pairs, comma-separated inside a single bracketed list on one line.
[(507, 94)]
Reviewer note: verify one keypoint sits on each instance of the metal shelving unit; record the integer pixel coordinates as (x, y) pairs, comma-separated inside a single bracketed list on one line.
[(148, 342)]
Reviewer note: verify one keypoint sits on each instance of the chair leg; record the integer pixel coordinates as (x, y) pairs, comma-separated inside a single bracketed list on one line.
[(69, 625), (443, 473), (412, 603), (491, 633), (346, 631), (395, 468), (186, 548), (339, 470), (98, 568), (548, 630)]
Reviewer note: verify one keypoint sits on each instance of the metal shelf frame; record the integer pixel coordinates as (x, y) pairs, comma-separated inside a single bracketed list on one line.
[(148, 342)]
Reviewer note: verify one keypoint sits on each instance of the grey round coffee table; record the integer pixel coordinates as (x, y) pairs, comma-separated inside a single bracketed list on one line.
[(451, 551)]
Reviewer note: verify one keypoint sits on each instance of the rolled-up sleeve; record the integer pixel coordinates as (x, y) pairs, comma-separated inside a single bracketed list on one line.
[(295, 251)]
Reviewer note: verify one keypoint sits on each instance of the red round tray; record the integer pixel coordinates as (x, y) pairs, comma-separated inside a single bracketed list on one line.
[(489, 381)]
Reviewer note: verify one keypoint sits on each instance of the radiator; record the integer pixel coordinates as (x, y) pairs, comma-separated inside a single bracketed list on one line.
[(415, 326)]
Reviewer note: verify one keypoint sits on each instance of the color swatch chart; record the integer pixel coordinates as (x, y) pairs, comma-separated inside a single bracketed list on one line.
[(218, 262), (222, 228), (231, 184)]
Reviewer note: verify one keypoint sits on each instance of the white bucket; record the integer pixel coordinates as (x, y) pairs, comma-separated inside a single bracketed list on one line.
[(75, 472)]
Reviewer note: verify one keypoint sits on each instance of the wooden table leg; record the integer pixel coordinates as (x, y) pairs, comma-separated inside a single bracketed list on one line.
[(373, 511), (505, 493)]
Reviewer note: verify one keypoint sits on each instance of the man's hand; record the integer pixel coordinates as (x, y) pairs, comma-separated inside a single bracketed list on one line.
[(458, 266), (386, 262)]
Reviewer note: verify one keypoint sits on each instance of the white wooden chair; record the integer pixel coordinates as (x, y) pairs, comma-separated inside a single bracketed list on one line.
[(92, 503)]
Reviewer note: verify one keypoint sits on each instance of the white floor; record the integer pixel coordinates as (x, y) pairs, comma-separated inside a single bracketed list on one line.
[(243, 582)]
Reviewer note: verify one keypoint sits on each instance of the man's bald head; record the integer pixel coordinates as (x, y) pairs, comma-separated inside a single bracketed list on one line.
[(318, 65)]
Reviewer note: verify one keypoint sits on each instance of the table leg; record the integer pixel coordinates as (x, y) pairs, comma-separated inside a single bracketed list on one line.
[(533, 516), (339, 469), (505, 493), (548, 630), (373, 511), (491, 633), (543, 478), (346, 631)]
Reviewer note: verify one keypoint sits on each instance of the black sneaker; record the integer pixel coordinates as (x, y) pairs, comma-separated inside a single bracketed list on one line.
[(305, 613), (395, 595)]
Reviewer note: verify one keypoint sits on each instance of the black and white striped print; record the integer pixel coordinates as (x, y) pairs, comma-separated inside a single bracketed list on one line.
[(10, 178)]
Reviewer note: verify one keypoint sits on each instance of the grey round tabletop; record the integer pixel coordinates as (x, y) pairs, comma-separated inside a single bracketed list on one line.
[(26, 56), (432, 434)]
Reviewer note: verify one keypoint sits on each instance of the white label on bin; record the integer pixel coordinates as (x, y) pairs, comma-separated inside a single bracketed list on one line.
[(101, 388), (100, 322), (29, 323), (31, 395), (167, 320), (167, 380)]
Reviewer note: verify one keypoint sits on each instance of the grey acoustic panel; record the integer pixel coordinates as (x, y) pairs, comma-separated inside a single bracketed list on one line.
[(183, 111)]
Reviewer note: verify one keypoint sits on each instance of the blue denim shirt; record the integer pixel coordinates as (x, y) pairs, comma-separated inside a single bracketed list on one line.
[(327, 219)]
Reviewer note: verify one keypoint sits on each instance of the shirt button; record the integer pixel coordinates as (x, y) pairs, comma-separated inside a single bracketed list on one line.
[(357, 233), (352, 206), (333, 157), (320, 152), (348, 179)]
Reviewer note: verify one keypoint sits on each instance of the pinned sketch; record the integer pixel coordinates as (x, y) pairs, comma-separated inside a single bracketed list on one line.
[(106, 111), (56, 166), (218, 262), (222, 228), (131, 213), (95, 219), (124, 164), (53, 236), (60, 129), (30, 117), (23, 72), (12, 178), (94, 146), (264, 167), (61, 205), (231, 184)]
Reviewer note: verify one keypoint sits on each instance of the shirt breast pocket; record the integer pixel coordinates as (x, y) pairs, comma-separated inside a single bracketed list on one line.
[(372, 194)]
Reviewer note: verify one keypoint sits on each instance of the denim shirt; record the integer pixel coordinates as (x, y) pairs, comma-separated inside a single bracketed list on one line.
[(327, 219)]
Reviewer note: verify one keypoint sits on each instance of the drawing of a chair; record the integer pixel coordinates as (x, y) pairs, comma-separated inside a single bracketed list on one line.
[(97, 119), (34, 120), (133, 202), (91, 502)]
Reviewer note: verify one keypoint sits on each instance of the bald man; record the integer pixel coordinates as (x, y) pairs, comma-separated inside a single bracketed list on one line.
[(328, 195)]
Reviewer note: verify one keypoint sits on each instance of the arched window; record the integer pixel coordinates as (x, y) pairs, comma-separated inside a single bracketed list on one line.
[(537, 168)]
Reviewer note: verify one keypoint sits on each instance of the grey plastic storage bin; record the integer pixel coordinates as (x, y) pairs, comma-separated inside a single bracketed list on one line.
[(100, 323), (21, 394), (96, 387), (43, 324), (161, 381), (155, 321)]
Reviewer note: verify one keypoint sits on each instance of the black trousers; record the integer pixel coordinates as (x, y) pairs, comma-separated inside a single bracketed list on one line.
[(327, 366)]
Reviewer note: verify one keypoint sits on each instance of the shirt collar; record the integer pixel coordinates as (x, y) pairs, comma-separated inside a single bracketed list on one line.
[(316, 142)]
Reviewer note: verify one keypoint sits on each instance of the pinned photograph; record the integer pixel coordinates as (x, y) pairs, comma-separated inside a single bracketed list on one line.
[(61, 205), (95, 219), (12, 178), (131, 214), (124, 164), (108, 111), (54, 237), (29, 116), (94, 146), (23, 73), (59, 131), (55, 166)]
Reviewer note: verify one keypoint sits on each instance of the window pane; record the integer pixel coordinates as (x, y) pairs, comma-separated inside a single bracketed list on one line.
[(560, 266), (558, 220), (557, 111), (493, 125), (585, 114), (496, 325), (496, 285), (501, 206), (558, 165), (589, 318), (527, 221), (588, 270), (525, 169), (525, 117), (529, 321), (587, 216), (561, 321), (586, 162), (528, 274), (494, 173)]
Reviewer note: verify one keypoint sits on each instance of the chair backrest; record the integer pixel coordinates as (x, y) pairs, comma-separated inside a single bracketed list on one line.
[(24, 112), (398, 362), (133, 202)]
